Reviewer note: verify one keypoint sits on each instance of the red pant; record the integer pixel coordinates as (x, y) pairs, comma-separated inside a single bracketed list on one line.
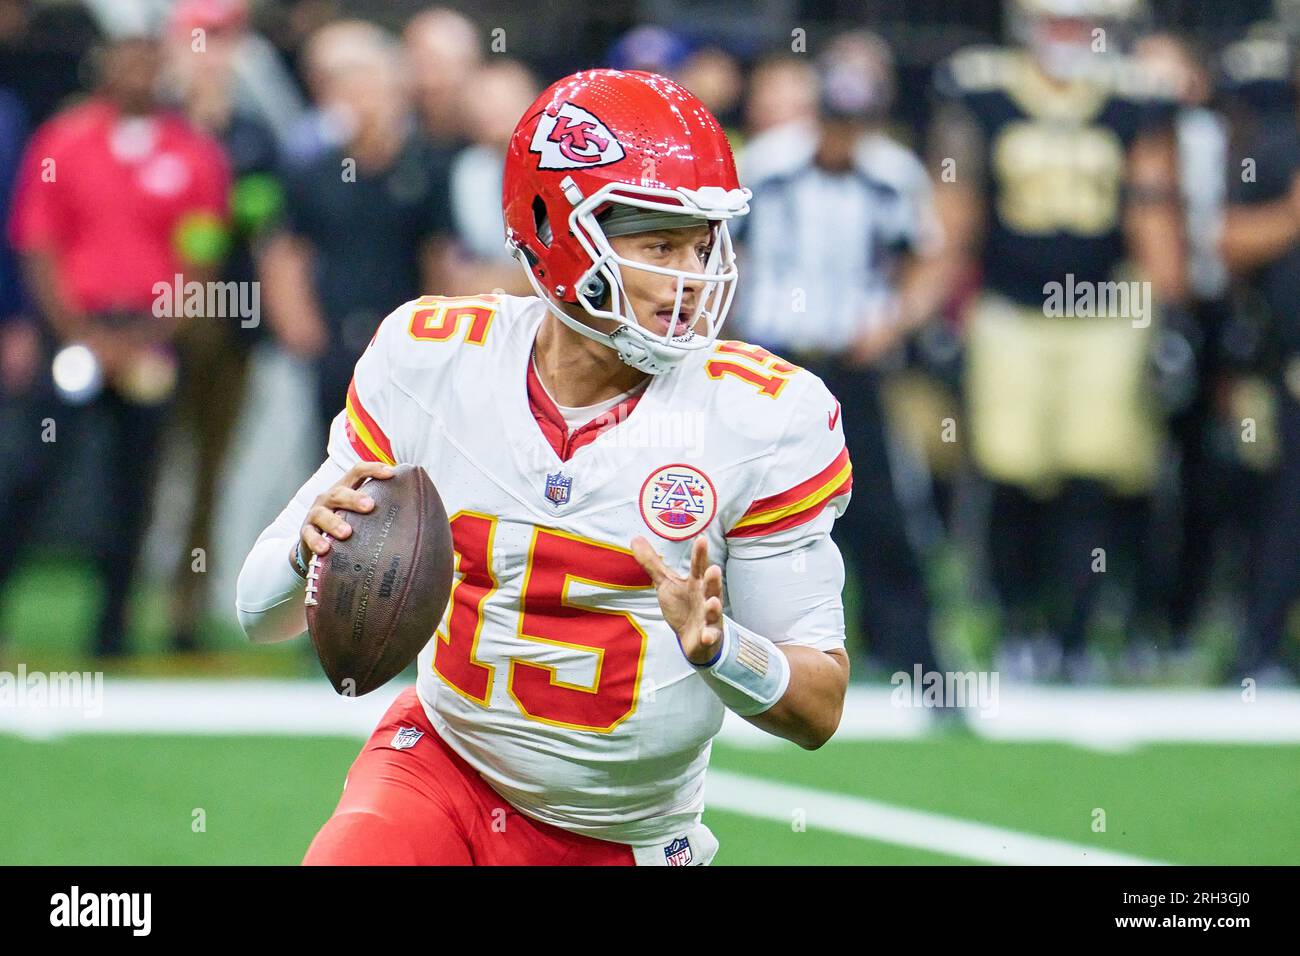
[(424, 805)]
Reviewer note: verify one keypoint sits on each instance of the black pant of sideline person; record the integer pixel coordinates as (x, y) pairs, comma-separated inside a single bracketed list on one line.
[(894, 611), (1275, 575), (128, 432)]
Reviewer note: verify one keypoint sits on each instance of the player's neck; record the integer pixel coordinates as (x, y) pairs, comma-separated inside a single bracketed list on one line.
[(577, 371)]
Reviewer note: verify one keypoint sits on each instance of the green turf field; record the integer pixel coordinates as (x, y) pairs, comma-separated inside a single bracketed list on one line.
[(133, 799), (157, 798)]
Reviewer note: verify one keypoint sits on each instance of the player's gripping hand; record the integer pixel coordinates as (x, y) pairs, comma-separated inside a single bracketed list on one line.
[(692, 605), (342, 495)]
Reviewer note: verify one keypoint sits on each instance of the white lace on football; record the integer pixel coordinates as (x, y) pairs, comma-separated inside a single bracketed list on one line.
[(635, 344), (313, 577)]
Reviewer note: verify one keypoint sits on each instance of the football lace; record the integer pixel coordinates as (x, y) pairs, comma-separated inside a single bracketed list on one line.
[(313, 578)]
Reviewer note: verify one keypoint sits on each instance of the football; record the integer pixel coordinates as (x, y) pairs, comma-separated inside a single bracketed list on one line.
[(375, 598)]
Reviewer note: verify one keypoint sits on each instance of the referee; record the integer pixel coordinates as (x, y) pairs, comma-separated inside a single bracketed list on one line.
[(840, 247)]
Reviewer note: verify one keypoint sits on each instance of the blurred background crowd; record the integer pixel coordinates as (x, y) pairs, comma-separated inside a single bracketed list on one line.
[(1045, 252)]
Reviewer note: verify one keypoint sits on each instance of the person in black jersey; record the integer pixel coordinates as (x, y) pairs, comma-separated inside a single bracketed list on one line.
[(365, 221), (1056, 171), (1260, 242)]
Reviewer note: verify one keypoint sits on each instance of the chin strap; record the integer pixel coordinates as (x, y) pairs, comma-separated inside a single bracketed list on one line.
[(640, 353)]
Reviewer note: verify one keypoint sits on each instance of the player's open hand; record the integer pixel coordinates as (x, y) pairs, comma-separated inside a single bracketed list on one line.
[(341, 496), (692, 605)]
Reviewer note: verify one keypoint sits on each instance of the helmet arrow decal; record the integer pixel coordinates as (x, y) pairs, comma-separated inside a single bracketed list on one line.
[(573, 138)]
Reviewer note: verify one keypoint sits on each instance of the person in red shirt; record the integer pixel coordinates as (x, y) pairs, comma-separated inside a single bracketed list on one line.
[(113, 196)]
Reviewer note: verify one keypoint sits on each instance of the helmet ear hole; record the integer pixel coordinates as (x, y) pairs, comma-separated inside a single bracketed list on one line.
[(541, 222), (595, 290)]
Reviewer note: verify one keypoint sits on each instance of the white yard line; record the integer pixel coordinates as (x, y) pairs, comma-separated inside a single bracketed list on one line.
[(239, 706), (870, 819), (1099, 718), (1112, 719)]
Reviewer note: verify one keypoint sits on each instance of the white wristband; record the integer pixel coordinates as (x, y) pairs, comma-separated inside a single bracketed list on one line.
[(750, 674)]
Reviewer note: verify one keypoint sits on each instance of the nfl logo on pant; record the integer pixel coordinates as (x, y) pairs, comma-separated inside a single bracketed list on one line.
[(678, 853), (406, 737)]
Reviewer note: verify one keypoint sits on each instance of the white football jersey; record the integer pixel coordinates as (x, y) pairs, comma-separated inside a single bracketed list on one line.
[(553, 672)]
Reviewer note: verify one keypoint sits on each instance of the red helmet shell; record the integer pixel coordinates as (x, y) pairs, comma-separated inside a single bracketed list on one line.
[(598, 127)]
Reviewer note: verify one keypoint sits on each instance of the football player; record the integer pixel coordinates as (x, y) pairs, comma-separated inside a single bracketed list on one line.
[(640, 512), (1057, 173)]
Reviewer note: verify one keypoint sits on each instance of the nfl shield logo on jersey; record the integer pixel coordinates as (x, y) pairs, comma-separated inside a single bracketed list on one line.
[(406, 738), (678, 853), (557, 488), (678, 502)]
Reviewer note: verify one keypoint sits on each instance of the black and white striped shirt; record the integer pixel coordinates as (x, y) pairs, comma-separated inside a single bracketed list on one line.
[(821, 248)]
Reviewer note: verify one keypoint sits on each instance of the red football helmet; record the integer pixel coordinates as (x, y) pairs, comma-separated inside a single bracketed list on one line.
[(603, 139)]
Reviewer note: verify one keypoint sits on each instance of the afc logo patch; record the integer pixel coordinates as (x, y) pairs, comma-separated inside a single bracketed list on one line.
[(678, 502), (572, 138), (678, 853)]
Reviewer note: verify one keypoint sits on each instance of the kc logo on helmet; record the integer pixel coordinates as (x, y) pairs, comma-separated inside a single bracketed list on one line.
[(572, 138), (678, 502)]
